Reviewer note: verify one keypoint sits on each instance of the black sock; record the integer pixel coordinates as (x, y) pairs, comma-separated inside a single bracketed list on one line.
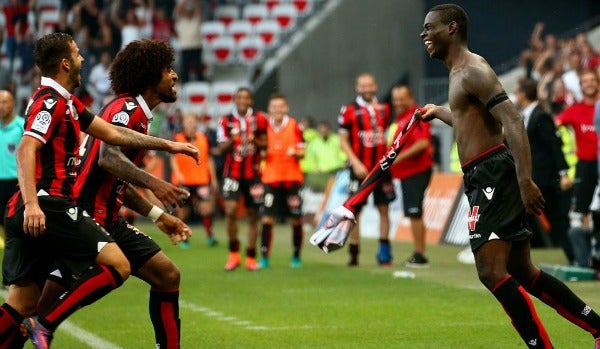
[(384, 241), (266, 237), (556, 294), (520, 309), (297, 235), (234, 246), (10, 323), (164, 314), (94, 284), (251, 252), (354, 250)]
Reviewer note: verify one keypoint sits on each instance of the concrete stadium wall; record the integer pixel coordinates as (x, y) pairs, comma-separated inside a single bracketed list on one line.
[(357, 36)]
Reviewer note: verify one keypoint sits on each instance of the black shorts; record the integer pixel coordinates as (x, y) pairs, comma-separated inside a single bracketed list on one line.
[(71, 236), (496, 209), (413, 193), (7, 188), (137, 247), (252, 190), (283, 200), (383, 193), (586, 178)]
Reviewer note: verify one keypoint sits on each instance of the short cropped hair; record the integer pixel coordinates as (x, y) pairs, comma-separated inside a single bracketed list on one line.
[(277, 95), (50, 50), (453, 13), (140, 65), (529, 88)]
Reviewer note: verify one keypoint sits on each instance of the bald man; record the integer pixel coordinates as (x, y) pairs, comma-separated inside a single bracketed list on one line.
[(11, 131)]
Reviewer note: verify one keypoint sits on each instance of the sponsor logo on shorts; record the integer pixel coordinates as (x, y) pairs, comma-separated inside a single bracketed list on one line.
[(473, 217), (489, 192), (41, 123), (474, 236)]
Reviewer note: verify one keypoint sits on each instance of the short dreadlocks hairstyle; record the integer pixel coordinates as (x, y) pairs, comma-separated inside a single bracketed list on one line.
[(50, 50), (140, 65)]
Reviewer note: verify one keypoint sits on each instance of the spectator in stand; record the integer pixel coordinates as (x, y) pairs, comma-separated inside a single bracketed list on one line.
[(11, 131), (199, 178), (362, 126), (413, 167), (282, 178), (15, 14), (162, 25), (572, 75), (590, 59), (241, 136), (103, 41), (549, 167), (580, 116), (99, 80), (188, 17), (25, 48), (325, 154), (133, 24)]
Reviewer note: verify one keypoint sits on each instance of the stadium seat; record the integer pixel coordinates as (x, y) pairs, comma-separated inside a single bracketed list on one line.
[(269, 32), (251, 50), (48, 20), (227, 14), (255, 13), (222, 50), (271, 3), (239, 29), (196, 95), (222, 92), (304, 7), (211, 30), (47, 5), (285, 15)]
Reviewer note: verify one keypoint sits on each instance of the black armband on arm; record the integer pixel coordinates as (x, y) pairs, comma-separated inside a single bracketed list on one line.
[(85, 119), (499, 98)]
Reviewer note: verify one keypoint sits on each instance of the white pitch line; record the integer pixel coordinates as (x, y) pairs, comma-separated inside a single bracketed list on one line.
[(84, 336), (247, 325)]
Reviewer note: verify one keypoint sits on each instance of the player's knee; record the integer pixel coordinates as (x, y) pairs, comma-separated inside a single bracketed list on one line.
[(170, 277), (490, 276), (113, 256)]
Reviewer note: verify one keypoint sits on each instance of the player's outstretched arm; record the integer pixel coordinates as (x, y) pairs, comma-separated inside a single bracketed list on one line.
[(335, 232), (432, 111), (174, 227), (122, 136), (114, 161)]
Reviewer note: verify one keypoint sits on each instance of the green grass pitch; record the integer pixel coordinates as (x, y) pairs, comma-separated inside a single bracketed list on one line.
[(322, 305)]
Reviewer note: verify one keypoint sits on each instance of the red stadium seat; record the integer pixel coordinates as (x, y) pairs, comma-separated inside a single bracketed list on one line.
[(227, 14), (222, 50), (223, 92), (239, 30), (211, 30), (285, 15), (251, 50), (255, 13), (304, 7), (195, 95), (269, 32)]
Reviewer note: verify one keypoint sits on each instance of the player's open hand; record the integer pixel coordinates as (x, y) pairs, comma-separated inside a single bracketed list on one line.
[(174, 228), (185, 148), (333, 235), (34, 219), (532, 197)]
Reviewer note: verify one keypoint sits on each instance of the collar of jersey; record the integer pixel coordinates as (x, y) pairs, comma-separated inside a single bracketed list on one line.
[(46, 81), (145, 108)]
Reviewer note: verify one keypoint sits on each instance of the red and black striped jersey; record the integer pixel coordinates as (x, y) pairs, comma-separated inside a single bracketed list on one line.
[(243, 162), (55, 118), (98, 191), (365, 125)]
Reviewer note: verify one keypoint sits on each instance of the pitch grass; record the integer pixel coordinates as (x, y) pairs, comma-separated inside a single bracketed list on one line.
[(324, 304)]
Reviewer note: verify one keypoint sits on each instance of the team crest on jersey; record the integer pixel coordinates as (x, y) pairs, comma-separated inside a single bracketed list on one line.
[(121, 118), (41, 123)]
